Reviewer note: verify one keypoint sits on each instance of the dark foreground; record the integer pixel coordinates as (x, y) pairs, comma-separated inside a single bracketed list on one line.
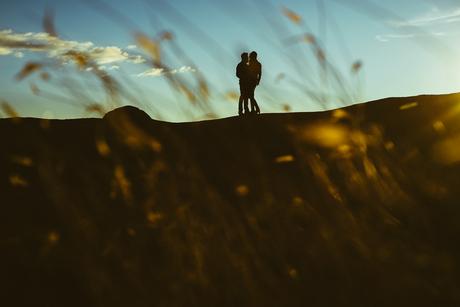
[(356, 207)]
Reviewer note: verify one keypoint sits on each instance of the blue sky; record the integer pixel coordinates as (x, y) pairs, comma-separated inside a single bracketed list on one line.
[(407, 47)]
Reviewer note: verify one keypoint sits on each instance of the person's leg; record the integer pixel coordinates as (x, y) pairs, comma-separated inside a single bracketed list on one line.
[(257, 106), (240, 102), (254, 102), (240, 105), (251, 97), (246, 108), (245, 99), (254, 106)]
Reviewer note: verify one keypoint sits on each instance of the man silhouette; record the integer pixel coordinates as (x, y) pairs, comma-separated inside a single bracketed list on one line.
[(243, 74), (255, 74)]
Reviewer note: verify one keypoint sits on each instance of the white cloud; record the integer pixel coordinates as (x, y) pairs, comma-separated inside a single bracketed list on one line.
[(387, 37), (434, 17), (157, 72), (107, 55), (153, 72), (19, 43), (137, 59), (104, 57), (5, 51), (183, 69)]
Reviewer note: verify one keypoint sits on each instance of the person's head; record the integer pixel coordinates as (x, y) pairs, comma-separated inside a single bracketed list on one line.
[(244, 57), (253, 55)]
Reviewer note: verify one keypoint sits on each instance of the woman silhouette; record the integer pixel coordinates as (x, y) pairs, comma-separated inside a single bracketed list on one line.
[(255, 74)]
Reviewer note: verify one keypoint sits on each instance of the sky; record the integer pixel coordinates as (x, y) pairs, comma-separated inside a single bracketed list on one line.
[(316, 54)]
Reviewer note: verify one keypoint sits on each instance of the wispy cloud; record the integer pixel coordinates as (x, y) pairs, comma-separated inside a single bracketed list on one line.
[(103, 67), (7, 51), (434, 17), (388, 37), (18, 44), (158, 72)]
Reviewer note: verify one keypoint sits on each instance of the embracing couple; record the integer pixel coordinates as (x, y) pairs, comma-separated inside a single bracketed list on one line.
[(249, 71)]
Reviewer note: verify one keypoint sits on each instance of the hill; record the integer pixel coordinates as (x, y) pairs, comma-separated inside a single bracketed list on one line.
[(351, 207)]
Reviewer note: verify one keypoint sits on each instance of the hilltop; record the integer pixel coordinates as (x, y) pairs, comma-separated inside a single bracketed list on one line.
[(350, 207)]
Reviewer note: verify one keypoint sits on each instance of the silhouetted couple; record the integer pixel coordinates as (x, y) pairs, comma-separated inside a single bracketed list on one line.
[(249, 71)]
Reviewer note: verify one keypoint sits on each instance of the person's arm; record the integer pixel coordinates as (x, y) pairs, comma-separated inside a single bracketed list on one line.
[(238, 71)]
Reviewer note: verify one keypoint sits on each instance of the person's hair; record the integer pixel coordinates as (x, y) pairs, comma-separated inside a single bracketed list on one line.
[(244, 55), (253, 55)]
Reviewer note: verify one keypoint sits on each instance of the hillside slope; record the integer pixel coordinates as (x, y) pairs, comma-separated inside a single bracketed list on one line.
[(352, 207)]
